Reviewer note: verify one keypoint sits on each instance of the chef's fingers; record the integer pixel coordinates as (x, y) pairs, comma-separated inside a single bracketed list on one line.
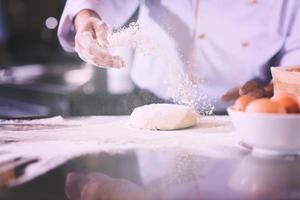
[(103, 62), (256, 89), (258, 92), (109, 63), (89, 50), (253, 88), (101, 29), (99, 61), (118, 62), (249, 86), (269, 90), (231, 94)]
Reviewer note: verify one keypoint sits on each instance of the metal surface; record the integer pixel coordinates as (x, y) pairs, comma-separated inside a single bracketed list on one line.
[(79, 161), (168, 175)]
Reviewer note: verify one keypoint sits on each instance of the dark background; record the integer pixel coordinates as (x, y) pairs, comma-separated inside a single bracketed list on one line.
[(28, 40), (33, 66)]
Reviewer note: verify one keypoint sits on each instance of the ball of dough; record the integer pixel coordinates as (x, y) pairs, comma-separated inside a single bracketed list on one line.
[(163, 117)]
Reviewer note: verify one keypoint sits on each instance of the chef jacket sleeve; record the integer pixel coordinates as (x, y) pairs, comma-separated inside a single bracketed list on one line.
[(291, 48), (113, 12)]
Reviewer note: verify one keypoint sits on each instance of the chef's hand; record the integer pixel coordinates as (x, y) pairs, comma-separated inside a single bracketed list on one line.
[(91, 40), (253, 88)]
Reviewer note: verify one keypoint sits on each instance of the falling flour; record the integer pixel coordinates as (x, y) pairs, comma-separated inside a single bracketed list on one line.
[(183, 90)]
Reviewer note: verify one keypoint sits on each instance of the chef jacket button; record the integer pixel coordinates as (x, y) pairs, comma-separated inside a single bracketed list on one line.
[(245, 44), (202, 36), (253, 2)]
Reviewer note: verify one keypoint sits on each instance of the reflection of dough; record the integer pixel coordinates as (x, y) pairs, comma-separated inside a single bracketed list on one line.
[(163, 117)]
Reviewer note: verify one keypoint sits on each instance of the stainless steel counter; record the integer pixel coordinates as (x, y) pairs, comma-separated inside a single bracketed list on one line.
[(106, 158)]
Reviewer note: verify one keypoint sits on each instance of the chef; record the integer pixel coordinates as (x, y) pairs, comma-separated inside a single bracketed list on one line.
[(226, 43)]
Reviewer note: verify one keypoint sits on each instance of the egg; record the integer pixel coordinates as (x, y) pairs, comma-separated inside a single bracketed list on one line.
[(265, 105), (243, 101), (288, 101)]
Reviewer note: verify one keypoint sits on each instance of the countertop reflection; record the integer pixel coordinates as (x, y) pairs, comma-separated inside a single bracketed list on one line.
[(149, 175), (166, 175)]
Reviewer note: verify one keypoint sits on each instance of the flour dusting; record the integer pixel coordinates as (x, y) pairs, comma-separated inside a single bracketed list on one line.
[(183, 90)]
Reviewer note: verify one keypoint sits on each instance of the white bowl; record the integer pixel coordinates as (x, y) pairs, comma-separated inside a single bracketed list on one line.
[(275, 132)]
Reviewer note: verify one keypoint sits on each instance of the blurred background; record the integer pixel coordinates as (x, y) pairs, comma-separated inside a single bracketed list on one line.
[(39, 79)]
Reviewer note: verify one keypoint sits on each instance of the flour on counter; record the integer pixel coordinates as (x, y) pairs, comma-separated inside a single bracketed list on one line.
[(51, 120), (114, 135)]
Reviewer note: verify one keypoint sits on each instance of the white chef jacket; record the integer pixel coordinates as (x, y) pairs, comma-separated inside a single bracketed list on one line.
[(236, 40)]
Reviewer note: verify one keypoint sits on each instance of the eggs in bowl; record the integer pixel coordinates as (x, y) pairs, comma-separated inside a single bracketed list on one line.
[(271, 124), (278, 132)]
